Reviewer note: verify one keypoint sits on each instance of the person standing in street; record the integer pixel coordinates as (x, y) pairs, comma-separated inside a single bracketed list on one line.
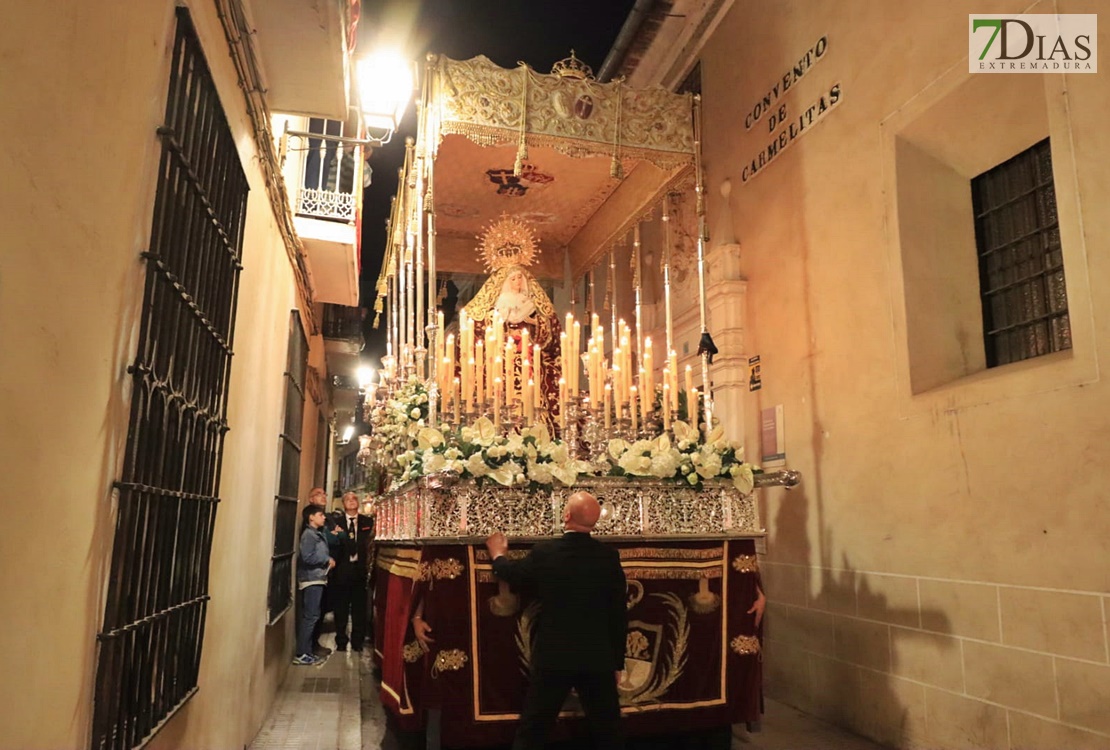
[(582, 625), (313, 565), (347, 581)]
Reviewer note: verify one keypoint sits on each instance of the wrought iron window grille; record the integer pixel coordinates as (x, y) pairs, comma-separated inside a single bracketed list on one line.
[(149, 644), (1021, 264), (280, 597)]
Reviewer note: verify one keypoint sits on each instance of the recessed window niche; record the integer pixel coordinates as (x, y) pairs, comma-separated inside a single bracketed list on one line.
[(978, 124)]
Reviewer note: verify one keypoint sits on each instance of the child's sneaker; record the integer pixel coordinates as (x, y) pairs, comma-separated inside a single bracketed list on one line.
[(306, 660)]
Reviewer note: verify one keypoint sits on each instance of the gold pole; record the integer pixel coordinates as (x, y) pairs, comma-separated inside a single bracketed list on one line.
[(613, 299), (667, 272), (637, 283), (699, 189)]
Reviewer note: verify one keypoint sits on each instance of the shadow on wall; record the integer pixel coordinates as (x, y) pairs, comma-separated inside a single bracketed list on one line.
[(838, 642)]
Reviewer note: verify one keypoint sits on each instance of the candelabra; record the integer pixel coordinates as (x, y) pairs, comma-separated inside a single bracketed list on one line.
[(571, 436)]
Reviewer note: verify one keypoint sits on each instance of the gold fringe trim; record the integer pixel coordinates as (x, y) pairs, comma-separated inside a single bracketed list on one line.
[(660, 553), (404, 563), (672, 574)]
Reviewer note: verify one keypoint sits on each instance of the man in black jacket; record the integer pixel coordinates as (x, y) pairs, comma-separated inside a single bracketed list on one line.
[(582, 625), (347, 581)]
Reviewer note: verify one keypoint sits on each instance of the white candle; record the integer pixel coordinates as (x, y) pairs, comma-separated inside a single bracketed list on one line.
[(480, 374), (537, 370), (563, 401)]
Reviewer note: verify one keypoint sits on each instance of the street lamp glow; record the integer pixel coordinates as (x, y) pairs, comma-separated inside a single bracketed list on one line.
[(385, 81), (365, 377)]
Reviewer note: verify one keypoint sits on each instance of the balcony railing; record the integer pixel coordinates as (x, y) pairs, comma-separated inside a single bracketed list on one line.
[(342, 322), (332, 170)]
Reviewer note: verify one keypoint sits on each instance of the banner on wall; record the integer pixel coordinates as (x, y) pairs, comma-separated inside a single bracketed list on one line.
[(773, 441)]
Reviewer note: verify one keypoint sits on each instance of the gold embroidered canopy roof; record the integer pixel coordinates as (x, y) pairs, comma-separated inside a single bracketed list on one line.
[(582, 161), (579, 116)]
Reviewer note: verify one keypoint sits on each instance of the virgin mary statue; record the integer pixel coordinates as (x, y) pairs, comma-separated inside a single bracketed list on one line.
[(513, 297)]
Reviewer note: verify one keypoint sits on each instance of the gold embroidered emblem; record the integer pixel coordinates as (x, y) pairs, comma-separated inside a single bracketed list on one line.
[(650, 674), (636, 645), (449, 660), (446, 567), (412, 652), (745, 645), (745, 564)]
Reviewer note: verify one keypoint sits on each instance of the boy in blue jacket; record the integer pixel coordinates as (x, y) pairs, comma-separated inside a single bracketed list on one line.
[(312, 577)]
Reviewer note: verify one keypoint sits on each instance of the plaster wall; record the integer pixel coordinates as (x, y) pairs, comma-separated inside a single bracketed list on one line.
[(940, 577), (84, 90)]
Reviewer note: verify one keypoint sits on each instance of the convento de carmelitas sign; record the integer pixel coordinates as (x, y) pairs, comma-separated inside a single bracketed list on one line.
[(786, 125)]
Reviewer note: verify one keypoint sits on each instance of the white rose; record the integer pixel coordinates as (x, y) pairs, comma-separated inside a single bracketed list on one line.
[(710, 465), (664, 464), (539, 473), (477, 466), (415, 413), (434, 463)]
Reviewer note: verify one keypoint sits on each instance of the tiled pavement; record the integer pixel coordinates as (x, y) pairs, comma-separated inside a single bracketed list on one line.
[(786, 728), (319, 708)]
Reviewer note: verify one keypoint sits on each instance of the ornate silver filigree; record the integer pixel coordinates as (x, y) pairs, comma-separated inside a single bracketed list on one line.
[(631, 507)]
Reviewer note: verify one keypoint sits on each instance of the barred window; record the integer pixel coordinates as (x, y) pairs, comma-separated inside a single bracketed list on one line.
[(1021, 266), (289, 472), (149, 645)]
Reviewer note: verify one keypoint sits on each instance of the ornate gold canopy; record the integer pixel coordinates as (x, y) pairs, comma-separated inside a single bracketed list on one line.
[(581, 161)]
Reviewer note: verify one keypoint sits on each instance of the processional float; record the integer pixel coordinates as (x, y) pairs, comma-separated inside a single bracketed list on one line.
[(530, 181)]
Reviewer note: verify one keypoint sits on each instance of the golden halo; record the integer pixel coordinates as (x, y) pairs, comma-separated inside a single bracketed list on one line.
[(508, 242)]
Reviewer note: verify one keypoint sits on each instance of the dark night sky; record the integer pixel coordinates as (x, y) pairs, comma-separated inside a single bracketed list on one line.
[(537, 32)]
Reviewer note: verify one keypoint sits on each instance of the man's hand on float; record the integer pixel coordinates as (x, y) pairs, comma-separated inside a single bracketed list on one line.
[(497, 545), (421, 629), (759, 606)]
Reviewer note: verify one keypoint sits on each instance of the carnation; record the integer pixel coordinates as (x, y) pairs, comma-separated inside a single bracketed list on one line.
[(664, 464)]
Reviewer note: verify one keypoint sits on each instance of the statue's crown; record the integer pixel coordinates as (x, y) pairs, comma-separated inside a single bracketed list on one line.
[(508, 242), (572, 67)]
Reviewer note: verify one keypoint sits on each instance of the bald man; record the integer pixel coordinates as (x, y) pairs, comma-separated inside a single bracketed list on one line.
[(582, 625)]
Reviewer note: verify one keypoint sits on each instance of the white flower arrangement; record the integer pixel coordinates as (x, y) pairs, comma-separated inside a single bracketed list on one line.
[(686, 458), (532, 456)]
